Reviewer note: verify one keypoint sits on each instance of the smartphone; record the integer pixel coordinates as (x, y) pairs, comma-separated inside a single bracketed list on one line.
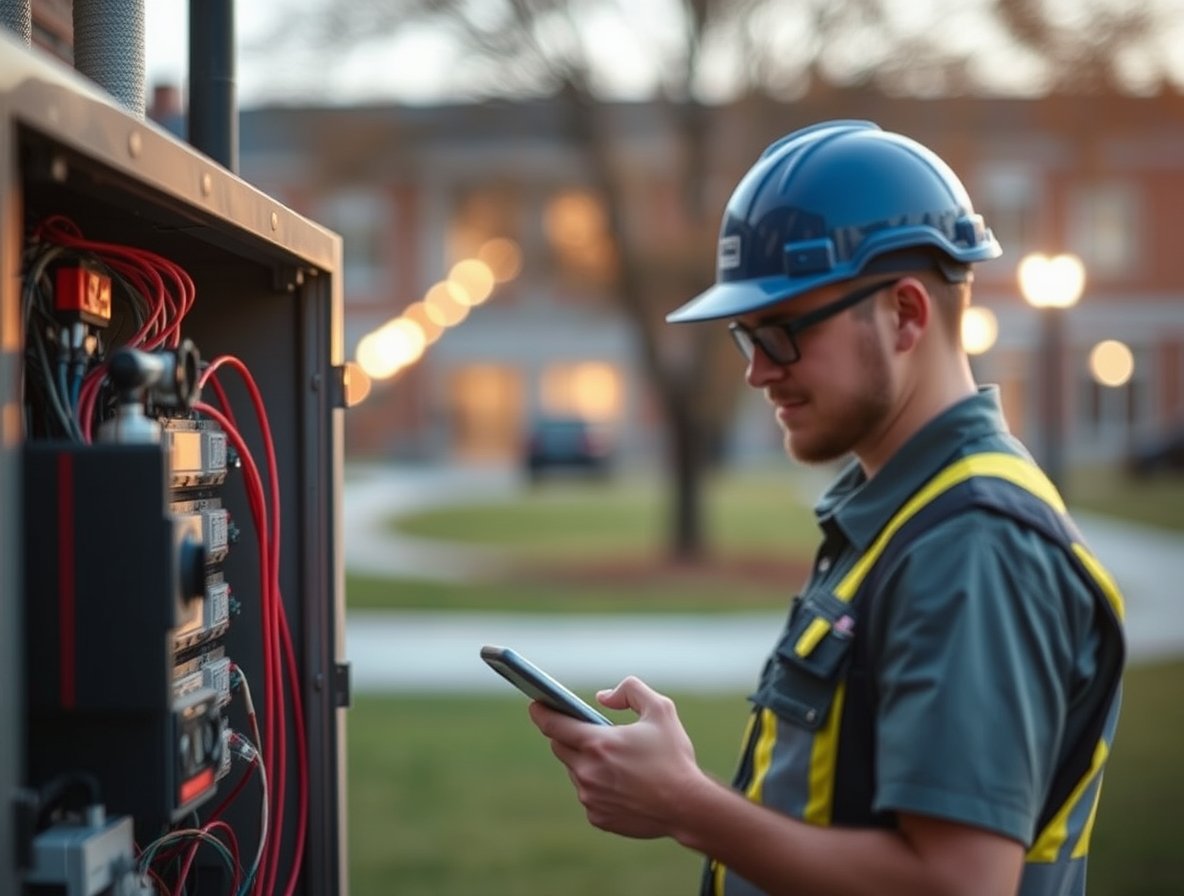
[(538, 685)]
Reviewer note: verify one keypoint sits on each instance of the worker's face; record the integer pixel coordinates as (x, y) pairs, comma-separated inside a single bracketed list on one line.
[(838, 394)]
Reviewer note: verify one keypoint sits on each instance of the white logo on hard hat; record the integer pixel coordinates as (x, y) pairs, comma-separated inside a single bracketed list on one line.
[(729, 253)]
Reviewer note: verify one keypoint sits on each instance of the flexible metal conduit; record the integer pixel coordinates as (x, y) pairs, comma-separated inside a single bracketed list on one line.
[(109, 47), (17, 15)]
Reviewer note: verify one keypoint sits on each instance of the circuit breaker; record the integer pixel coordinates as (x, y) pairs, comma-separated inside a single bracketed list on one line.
[(171, 618)]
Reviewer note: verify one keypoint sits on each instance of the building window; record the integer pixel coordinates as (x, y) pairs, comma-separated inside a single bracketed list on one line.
[(1103, 227), (575, 224), (479, 216), (486, 411), (590, 390), (1007, 195), (363, 219)]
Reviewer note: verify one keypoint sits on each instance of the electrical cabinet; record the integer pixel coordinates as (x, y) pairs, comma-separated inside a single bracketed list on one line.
[(171, 616)]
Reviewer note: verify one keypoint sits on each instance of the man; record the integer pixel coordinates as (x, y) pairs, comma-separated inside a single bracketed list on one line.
[(936, 714)]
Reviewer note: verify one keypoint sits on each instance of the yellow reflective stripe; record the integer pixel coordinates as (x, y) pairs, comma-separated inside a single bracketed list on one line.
[(824, 756), (762, 754), (718, 871), (761, 724), (814, 633), (1056, 832), (1102, 577), (1002, 466), (1081, 850)]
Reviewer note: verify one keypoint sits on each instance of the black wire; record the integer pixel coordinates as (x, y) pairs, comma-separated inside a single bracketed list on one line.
[(49, 381)]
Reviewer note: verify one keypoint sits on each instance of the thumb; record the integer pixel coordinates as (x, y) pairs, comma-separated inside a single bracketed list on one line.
[(632, 693)]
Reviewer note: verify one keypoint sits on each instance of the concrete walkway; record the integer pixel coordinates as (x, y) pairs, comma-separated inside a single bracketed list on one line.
[(424, 651)]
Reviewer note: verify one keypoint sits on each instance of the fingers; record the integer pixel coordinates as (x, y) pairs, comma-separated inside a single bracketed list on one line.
[(559, 727), (633, 693)]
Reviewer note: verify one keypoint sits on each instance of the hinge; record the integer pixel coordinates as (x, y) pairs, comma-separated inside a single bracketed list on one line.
[(348, 385), (341, 694)]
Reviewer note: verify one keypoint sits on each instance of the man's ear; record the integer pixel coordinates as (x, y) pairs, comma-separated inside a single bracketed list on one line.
[(912, 312)]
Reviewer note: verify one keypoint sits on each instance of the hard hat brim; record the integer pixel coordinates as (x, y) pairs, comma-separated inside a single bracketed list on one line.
[(742, 297)]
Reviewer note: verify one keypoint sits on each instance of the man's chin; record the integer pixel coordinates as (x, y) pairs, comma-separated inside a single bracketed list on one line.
[(810, 453)]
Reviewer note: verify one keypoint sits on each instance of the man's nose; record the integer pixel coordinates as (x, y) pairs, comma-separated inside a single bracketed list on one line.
[(762, 369)]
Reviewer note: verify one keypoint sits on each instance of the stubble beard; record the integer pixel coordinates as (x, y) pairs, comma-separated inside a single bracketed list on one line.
[(838, 431)]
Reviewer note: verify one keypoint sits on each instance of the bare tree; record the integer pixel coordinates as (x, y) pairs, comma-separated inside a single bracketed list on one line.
[(756, 47)]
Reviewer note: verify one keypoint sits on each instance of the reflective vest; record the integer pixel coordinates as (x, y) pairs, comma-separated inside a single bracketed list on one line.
[(820, 680)]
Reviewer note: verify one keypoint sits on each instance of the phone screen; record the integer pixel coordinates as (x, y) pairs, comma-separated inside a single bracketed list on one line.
[(538, 685)]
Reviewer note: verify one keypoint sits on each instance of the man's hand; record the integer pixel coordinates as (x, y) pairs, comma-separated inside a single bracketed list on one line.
[(630, 778)]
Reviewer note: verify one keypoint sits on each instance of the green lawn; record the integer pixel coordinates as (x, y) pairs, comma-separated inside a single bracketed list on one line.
[(758, 511), (593, 547), (1156, 501), (600, 547), (452, 796)]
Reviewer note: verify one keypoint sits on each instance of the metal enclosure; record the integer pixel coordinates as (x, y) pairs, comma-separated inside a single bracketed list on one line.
[(269, 292)]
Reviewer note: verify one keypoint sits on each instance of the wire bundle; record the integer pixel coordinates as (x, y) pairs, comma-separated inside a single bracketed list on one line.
[(279, 660), (157, 293), (67, 365)]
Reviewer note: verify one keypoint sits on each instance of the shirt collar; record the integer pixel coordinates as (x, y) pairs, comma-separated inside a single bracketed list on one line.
[(860, 507)]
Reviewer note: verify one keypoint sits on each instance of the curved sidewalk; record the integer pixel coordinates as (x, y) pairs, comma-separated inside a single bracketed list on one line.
[(425, 651)]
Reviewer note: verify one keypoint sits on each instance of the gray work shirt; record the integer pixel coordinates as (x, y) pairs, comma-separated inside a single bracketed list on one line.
[(983, 645)]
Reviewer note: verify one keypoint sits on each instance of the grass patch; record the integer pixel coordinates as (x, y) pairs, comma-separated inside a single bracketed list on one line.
[(744, 514), (1136, 844), (596, 547), (691, 590), (451, 796), (1155, 500), (455, 796), (601, 547)]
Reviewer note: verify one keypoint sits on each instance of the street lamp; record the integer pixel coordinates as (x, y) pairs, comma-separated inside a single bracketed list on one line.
[(1051, 286), (980, 329)]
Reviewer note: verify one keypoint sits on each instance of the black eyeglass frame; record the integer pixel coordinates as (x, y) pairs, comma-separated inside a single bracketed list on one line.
[(777, 339)]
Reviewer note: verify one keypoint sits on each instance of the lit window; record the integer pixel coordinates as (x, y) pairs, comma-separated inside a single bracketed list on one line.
[(590, 390), (1103, 227), (363, 220), (1007, 194), (576, 228), (480, 215)]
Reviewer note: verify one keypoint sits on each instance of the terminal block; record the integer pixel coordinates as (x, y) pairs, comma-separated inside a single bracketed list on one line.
[(197, 452)]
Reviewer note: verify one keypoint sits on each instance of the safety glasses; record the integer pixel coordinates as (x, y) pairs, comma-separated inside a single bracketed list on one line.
[(778, 339)]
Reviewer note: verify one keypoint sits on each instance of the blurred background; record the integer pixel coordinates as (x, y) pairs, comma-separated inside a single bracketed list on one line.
[(525, 188)]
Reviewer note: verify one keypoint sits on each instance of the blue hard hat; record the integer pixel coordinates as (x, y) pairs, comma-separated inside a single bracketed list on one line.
[(832, 202)]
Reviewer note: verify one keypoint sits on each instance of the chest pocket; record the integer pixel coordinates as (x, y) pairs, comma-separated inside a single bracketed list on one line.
[(800, 679)]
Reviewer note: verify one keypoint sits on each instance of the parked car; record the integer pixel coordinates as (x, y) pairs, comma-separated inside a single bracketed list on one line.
[(570, 444), (1164, 453)]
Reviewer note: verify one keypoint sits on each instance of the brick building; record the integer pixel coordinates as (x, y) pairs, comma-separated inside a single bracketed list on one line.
[(413, 189)]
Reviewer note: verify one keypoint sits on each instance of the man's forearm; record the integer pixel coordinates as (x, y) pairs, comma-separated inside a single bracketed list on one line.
[(786, 857)]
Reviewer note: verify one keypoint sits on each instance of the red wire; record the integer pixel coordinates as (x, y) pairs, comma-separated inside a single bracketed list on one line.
[(239, 786), (220, 394), (301, 758), (145, 270), (156, 878), (153, 275), (272, 682), (231, 845), (88, 396), (279, 631), (277, 723)]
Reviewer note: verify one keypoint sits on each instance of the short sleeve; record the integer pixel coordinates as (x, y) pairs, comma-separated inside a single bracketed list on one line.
[(973, 666)]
